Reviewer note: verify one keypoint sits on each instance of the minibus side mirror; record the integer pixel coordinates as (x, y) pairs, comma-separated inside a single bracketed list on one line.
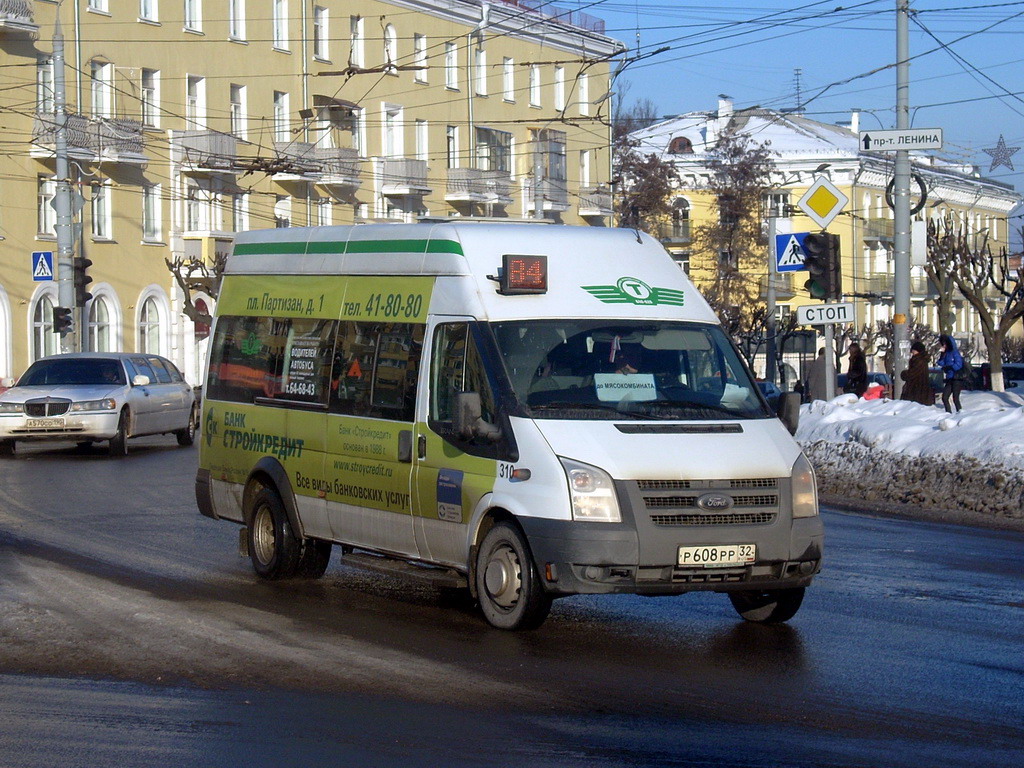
[(789, 410), (468, 418)]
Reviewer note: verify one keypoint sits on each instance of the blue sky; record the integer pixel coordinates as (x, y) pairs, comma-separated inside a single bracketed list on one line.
[(966, 75)]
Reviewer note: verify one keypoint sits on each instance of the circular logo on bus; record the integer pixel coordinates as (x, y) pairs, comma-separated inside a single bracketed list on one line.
[(636, 289), (716, 502)]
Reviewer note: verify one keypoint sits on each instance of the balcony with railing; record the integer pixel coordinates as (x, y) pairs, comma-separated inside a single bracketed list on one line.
[(16, 16), (295, 161), (93, 140), (340, 167), (676, 233), (554, 195), (401, 176), (205, 152), (474, 185), (595, 202), (878, 229)]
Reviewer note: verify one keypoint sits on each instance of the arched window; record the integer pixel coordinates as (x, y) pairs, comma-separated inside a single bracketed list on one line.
[(680, 219), (680, 145), (149, 327), (44, 340), (100, 336), (390, 49)]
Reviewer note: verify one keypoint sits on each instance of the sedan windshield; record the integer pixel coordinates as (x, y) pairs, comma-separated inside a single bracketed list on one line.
[(81, 371), (596, 369)]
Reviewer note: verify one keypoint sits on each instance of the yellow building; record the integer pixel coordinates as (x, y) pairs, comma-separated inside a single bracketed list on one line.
[(191, 120)]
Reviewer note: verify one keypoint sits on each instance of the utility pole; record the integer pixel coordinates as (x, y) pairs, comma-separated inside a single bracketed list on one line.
[(901, 203), (69, 341)]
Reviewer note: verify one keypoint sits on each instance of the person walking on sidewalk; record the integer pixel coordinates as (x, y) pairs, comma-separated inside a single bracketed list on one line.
[(915, 378), (857, 371), (816, 378), (952, 364)]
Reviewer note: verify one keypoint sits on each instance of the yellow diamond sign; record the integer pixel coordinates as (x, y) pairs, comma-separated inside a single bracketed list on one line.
[(823, 201)]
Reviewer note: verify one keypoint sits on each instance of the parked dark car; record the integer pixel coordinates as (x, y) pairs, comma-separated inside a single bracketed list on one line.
[(1013, 376)]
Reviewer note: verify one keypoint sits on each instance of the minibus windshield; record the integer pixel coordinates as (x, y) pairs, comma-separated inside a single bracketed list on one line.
[(601, 369)]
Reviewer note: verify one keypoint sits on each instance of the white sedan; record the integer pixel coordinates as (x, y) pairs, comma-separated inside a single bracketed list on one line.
[(90, 396)]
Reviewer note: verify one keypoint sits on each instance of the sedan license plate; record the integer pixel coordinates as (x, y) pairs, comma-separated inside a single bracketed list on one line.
[(44, 423), (720, 556)]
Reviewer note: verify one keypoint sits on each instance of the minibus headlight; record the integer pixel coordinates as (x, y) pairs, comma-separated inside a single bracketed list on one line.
[(106, 404), (592, 493), (805, 489)]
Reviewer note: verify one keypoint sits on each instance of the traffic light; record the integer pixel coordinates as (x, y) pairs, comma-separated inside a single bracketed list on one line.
[(822, 261), (82, 281), (63, 320)]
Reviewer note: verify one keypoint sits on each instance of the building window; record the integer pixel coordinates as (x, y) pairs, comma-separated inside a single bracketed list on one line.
[(44, 340), (240, 212), (422, 140), (419, 59), (480, 71), (195, 102), (324, 213), (149, 327), (357, 54), (583, 84), (100, 336), (239, 119), (150, 98), (560, 89), (280, 26), (152, 224), (98, 5), (680, 219), (282, 126), (101, 217), (194, 15), (321, 33), (451, 66), (44, 85), (551, 145), (452, 146), (390, 49), (47, 216), (534, 85), (282, 211), (359, 132), (102, 74), (393, 139), (508, 79), (776, 205), (193, 209), (236, 19), (148, 10), (493, 150), (585, 155), (680, 145)]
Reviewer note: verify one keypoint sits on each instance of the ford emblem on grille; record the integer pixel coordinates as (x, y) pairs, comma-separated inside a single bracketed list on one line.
[(715, 502)]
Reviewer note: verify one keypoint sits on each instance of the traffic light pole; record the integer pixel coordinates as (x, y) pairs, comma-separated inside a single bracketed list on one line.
[(901, 203), (69, 341)]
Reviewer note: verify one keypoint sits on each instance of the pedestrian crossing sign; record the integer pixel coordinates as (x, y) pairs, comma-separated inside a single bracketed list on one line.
[(42, 266), (789, 252)]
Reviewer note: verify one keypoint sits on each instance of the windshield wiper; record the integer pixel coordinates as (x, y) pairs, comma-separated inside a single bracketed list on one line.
[(563, 405)]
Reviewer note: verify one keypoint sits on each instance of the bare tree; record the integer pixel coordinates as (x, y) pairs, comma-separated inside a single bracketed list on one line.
[(196, 276), (986, 280)]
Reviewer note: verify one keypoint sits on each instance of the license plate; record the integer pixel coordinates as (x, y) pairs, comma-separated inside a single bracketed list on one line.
[(43, 423), (722, 556)]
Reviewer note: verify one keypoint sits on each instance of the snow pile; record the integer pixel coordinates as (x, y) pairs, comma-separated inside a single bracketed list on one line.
[(896, 452)]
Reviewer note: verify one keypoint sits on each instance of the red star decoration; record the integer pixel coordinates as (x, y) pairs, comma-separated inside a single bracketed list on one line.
[(1001, 154)]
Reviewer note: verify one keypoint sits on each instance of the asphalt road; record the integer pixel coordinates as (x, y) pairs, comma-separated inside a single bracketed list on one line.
[(131, 633)]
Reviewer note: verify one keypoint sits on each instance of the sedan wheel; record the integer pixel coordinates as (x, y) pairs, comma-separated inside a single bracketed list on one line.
[(187, 436), (119, 442)]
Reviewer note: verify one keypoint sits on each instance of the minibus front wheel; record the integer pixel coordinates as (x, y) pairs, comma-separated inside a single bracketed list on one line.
[(770, 606), (273, 548), (507, 584)]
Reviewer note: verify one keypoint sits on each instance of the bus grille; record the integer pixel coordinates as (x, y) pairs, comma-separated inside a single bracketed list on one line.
[(754, 501)]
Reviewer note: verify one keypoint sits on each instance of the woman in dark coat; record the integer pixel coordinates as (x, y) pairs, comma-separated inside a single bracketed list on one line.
[(915, 378), (857, 372)]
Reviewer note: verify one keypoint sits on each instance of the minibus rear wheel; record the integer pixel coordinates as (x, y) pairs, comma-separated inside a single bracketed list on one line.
[(316, 556), (273, 548), (770, 606), (508, 587)]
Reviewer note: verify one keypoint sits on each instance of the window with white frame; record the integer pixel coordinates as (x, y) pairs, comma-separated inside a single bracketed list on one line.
[(583, 85), (534, 85), (101, 337), (452, 146), (508, 79), (357, 42), (560, 88), (393, 138), (152, 221), (99, 5), (195, 203), (194, 15), (390, 49), (422, 137), (282, 211), (282, 125), (419, 58), (585, 168), (324, 213), (148, 10), (44, 340), (102, 86), (480, 71), (101, 211), (451, 66), (493, 150), (44, 85), (47, 216), (150, 327), (238, 111), (236, 19), (280, 25), (195, 102), (321, 33), (240, 212), (359, 132), (150, 98), (551, 144)]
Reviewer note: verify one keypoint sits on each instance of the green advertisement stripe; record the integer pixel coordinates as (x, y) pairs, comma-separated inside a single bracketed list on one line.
[(352, 246)]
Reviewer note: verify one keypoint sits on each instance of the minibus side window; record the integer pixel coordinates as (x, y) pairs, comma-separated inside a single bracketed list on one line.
[(457, 367), (375, 368)]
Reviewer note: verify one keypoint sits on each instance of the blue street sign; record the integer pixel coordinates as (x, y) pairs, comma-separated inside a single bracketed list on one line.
[(42, 266), (789, 252)]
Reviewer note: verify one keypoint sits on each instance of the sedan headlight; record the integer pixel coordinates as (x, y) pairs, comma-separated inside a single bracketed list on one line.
[(12, 408), (804, 488), (106, 404), (592, 492)]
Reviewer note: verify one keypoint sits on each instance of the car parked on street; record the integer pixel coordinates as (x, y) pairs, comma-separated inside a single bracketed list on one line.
[(92, 396)]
